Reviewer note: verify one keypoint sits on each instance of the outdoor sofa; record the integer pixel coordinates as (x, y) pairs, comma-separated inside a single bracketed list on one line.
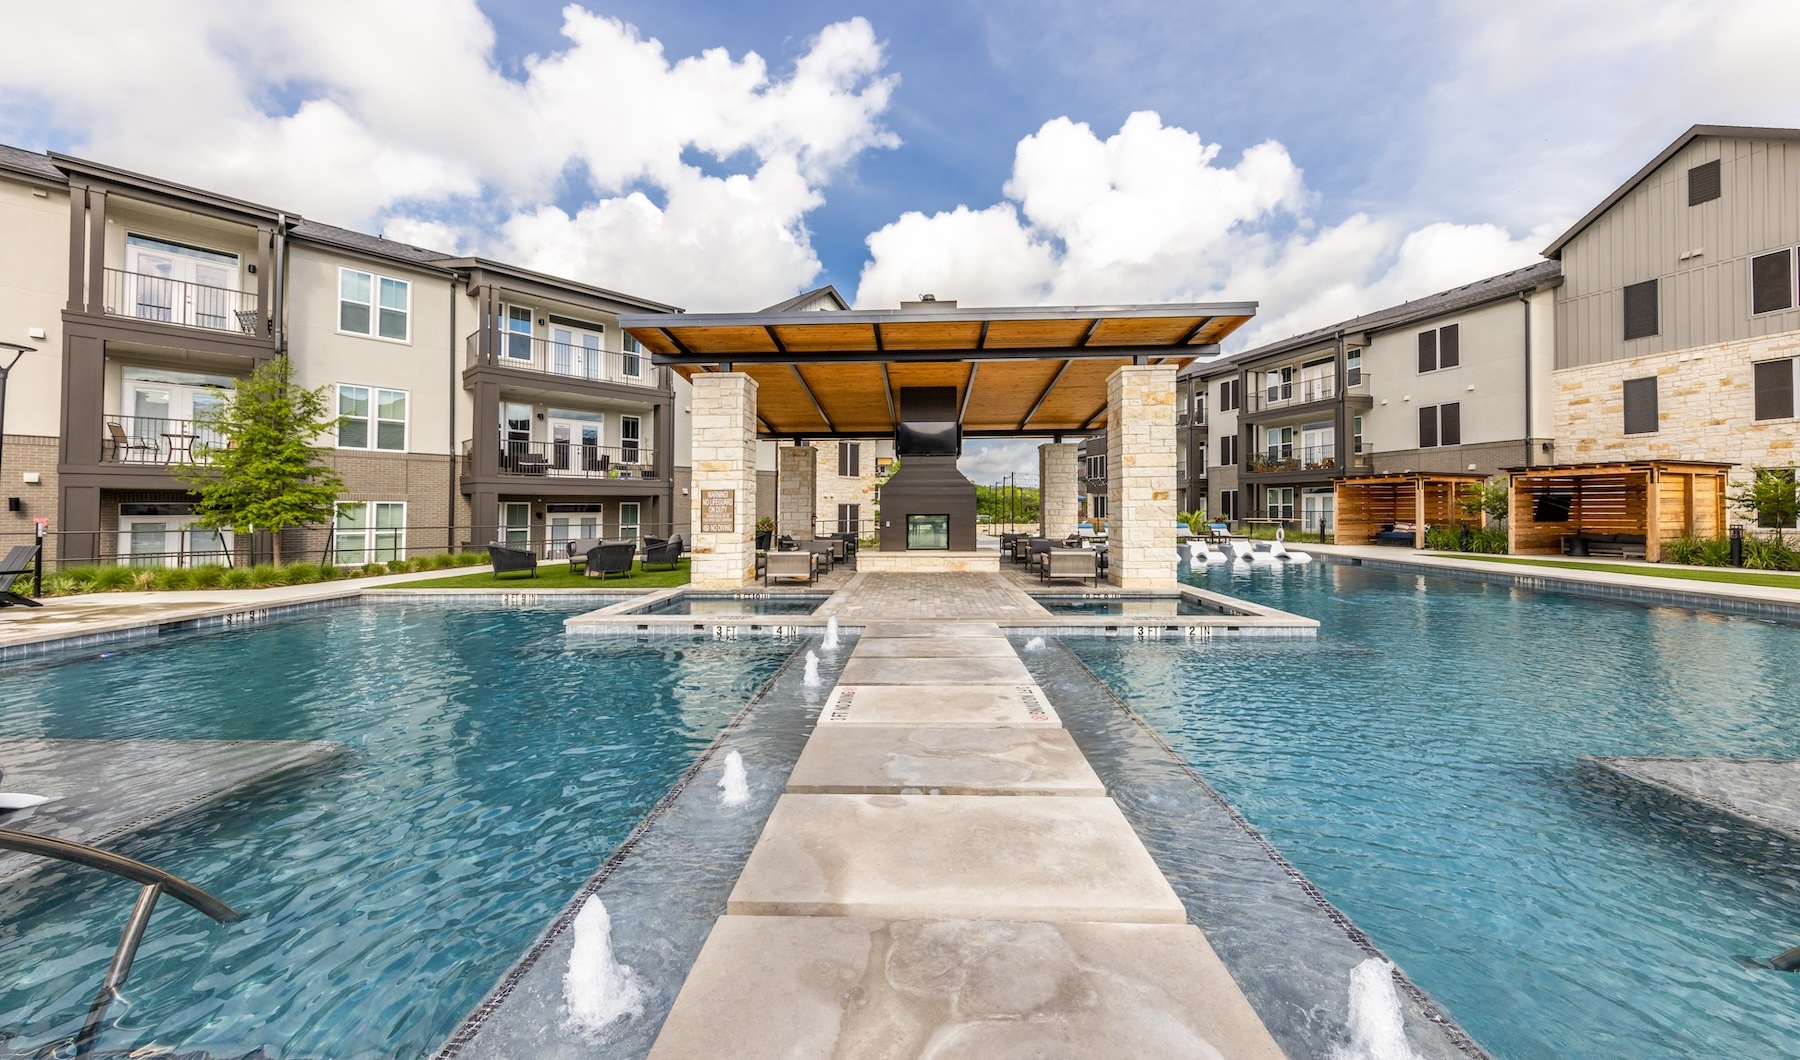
[(1625, 546), (1396, 534)]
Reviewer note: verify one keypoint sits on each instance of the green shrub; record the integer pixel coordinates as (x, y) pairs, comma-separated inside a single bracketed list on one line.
[(207, 576), (1769, 553), (1489, 539), (173, 578), (300, 573), (114, 579), (1715, 552), (236, 578), (264, 575), (402, 566), (1443, 539)]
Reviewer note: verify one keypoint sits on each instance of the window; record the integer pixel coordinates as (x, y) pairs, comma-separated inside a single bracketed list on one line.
[(1096, 467), (369, 532), (1228, 450), (1228, 502), (1703, 183), (1640, 405), (631, 436), (1440, 348), (515, 345), (849, 459), (1097, 505), (1228, 395), (629, 523), (164, 535), (632, 361), (1281, 502), (374, 305), (849, 519), (1353, 366), (1772, 282), (1640, 310), (382, 426), (1440, 425), (1775, 389), (572, 522), (515, 524), (1356, 434)]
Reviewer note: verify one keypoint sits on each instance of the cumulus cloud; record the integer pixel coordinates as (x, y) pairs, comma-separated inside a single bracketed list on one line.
[(687, 179), (1153, 214)]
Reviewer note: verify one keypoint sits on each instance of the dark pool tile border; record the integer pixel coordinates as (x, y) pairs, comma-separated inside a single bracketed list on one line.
[(1426, 1006), (1687, 599)]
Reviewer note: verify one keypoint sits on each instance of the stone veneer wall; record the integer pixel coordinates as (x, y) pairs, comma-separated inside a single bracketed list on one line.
[(797, 486), (1140, 476), (1059, 503), (724, 458), (835, 489), (1705, 408)]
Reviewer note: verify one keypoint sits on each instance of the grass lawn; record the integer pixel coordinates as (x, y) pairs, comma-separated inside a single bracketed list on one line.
[(1731, 575), (555, 575)]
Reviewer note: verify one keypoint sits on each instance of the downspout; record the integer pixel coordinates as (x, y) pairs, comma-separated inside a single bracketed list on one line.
[(1530, 446), (450, 512)]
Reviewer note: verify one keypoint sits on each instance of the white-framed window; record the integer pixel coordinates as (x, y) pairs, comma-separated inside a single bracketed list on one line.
[(572, 522), (371, 418), (515, 524), (369, 532), (631, 362), (1281, 502), (515, 345), (1096, 466), (164, 535), (629, 521), (631, 440), (374, 305), (849, 459)]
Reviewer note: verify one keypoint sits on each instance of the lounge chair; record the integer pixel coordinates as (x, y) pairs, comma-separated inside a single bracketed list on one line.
[(17, 562), (798, 564), (507, 559), (668, 552), (611, 557), (578, 550)]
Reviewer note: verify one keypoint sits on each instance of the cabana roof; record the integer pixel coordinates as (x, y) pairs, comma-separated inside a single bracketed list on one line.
[(1021, 371)]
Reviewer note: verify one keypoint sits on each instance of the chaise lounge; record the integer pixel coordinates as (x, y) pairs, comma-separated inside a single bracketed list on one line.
[(17, 562)]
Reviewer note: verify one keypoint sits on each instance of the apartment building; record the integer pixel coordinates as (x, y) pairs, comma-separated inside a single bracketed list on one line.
[(1678, 321), (478, 401)]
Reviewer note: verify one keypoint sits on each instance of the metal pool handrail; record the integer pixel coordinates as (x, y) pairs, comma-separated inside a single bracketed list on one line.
[(155, 881)]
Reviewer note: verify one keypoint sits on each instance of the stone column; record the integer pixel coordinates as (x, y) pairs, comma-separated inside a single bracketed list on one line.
[(724, 462), (1140, 476), (1059, 501), (796, 504)]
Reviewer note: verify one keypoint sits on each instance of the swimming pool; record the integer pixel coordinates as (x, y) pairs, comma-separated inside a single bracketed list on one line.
[(493, 766), (734, 604), (1421, 762), (1134, 606)]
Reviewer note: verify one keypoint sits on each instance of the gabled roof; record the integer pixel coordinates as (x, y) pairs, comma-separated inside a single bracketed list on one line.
[(346, 239), (829, 290), (1480, 292), (1740, 132)]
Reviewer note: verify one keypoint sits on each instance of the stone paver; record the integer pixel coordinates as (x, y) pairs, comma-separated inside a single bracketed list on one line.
[(958, 990), (949, 760), (1020, 704), (994, 646), (931, 596), (967, 857), (918, 670)]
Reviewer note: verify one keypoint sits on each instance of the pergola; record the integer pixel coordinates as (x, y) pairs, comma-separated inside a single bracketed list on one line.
[(1367, 503), (1657, 499), (1018, 372)]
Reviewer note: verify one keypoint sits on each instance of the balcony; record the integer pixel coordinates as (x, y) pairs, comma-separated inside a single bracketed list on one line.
[(571, 460), (181, 303), (156, 441), (570, 360), (1302, 392), (1304, 458)]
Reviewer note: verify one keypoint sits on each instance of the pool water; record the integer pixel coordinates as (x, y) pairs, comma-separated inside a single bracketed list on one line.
[(1134, 606), (492, 768), (1421, 763), (739, 605)]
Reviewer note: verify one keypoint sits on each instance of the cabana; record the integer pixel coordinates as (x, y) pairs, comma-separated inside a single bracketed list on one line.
[(1373, 508), (1627, 508)]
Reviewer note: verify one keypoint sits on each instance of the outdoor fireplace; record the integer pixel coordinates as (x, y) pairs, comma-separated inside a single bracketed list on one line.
[(928, 504)]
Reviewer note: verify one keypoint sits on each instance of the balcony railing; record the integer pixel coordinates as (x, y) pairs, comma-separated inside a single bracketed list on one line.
[(1295, 458), (1303, 391), (573, 460), (573, 360), (181, 303), (158, 440)]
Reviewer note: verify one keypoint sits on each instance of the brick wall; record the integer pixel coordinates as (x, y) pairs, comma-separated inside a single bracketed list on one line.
[(26, 452)]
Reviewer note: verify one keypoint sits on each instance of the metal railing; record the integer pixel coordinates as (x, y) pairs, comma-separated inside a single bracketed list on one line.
[(182, 303), (1295, 458), (573, 460), (158, 440), (1303, 391), (155, 883), (573, 360)]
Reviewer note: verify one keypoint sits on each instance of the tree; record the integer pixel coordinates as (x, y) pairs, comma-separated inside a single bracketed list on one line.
[(267, 475), (1770, 497), (1491, 498)]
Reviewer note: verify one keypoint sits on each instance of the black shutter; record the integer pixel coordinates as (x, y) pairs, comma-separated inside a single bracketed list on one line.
[(1703, 183), (1428, 423), (1224, 452), (1775, 389), (1640, 405), (1449, 347), (1427, 351), (1450, 423), (1640, 310), (1772, 282)]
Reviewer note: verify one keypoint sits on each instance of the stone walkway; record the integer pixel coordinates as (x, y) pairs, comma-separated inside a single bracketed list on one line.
[(900, 597), (945, 875)]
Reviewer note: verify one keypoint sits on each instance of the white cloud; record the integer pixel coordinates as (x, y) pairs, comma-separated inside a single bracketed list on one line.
[(394, 115), (987, 461), (1151, 214)]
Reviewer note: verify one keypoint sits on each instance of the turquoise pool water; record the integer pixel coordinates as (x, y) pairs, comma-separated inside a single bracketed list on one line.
[(1145, 606), (1421, 763), (492, 769), (738, 605)]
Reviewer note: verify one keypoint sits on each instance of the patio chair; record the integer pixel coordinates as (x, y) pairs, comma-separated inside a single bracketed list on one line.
[(1038, 548), (1069, 563), (578, 550), (507, 559), (804, 565), (611, 557), (122, 443), (764, 539), (825, 549), (668, 552), (17, 562)]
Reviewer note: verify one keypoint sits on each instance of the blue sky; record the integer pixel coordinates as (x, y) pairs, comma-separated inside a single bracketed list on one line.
[(1321, 158)]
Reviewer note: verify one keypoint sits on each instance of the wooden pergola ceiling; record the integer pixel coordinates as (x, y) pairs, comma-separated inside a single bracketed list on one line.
[(1017, 371)]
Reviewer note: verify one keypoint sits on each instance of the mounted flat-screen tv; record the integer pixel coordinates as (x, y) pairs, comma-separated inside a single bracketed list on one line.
[(927, 438), (1552, 507)]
